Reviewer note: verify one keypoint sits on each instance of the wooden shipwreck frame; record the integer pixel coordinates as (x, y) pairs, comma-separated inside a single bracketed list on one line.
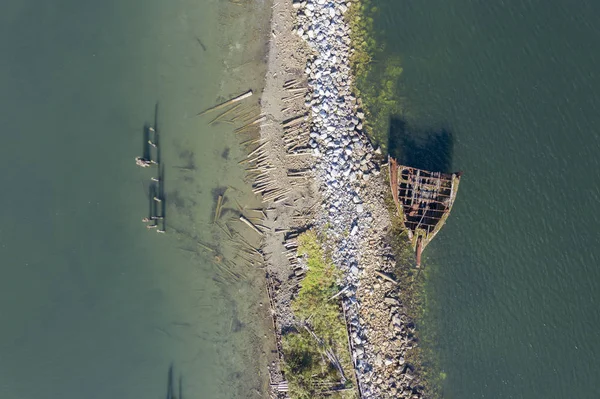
[(424, 200)]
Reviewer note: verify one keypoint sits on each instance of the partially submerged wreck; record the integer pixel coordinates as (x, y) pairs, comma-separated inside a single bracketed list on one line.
[(424, 200)]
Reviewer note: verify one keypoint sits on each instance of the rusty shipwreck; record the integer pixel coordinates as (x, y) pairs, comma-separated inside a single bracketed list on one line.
[(424, 200)]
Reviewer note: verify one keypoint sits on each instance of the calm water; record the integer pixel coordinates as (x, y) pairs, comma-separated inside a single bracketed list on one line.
[(92, 304), (516, 281)]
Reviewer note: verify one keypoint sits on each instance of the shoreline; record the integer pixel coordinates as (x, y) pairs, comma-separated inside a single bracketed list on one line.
[(326, 176)]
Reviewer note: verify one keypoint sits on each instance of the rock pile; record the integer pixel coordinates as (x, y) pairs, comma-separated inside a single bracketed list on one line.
[(345, 166)]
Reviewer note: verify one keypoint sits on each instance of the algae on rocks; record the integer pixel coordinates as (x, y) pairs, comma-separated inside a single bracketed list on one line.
[(376, 74)]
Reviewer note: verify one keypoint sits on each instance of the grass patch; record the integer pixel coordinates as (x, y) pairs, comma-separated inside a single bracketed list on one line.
[(376, 73), (308, 370)]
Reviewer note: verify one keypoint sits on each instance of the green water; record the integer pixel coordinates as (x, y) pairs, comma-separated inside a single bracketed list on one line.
[(92, 304), (516, 283)]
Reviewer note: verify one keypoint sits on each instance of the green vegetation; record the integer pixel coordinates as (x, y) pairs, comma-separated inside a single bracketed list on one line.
[(376, 84), (376, 73), (307, 367), (414, 294)]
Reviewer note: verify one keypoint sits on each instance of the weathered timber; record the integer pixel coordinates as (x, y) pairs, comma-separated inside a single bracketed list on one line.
[(226, 103), (250, 224), (423, 199)]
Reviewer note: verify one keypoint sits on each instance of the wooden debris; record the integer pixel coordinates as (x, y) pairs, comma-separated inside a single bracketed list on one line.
[(249, 125), (385, 277), (222, 115), (218, 209), (209, 249), (250, 224), (290, 83), (226, 103), (225, 230)]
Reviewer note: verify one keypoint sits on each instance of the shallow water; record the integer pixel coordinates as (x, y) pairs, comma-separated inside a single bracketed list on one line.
[(515, 281), (92, 304)]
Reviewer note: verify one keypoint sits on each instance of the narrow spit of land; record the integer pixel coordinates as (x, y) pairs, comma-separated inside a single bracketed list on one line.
[(340, 324)]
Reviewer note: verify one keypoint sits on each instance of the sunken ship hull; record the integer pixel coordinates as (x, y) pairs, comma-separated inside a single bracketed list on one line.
[(423, 199)]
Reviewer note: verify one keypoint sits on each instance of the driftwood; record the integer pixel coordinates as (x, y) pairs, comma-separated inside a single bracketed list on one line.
[(205, 247), (218, 209), (386, 277), (249, 125), (222, 115), (250, 224), (290, 83), (226, 231), (331, 356), (340, 293), (257, 149), (226, 103)]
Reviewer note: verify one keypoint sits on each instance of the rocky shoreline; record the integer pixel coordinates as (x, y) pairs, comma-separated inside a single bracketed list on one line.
[(335, 183)]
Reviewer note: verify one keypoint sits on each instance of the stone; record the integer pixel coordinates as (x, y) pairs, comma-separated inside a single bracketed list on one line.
[(390, 301)]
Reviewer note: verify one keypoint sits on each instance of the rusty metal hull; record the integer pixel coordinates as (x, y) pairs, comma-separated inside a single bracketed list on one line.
[(424, 200)]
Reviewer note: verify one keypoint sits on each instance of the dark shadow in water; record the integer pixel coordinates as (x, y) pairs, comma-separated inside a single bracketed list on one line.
[(187, 157), (152, 192), (170, 383), (156, 138), (225, 153), (163, 195), (145, 146), (171, 390), (177, 200), (424, 149)]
